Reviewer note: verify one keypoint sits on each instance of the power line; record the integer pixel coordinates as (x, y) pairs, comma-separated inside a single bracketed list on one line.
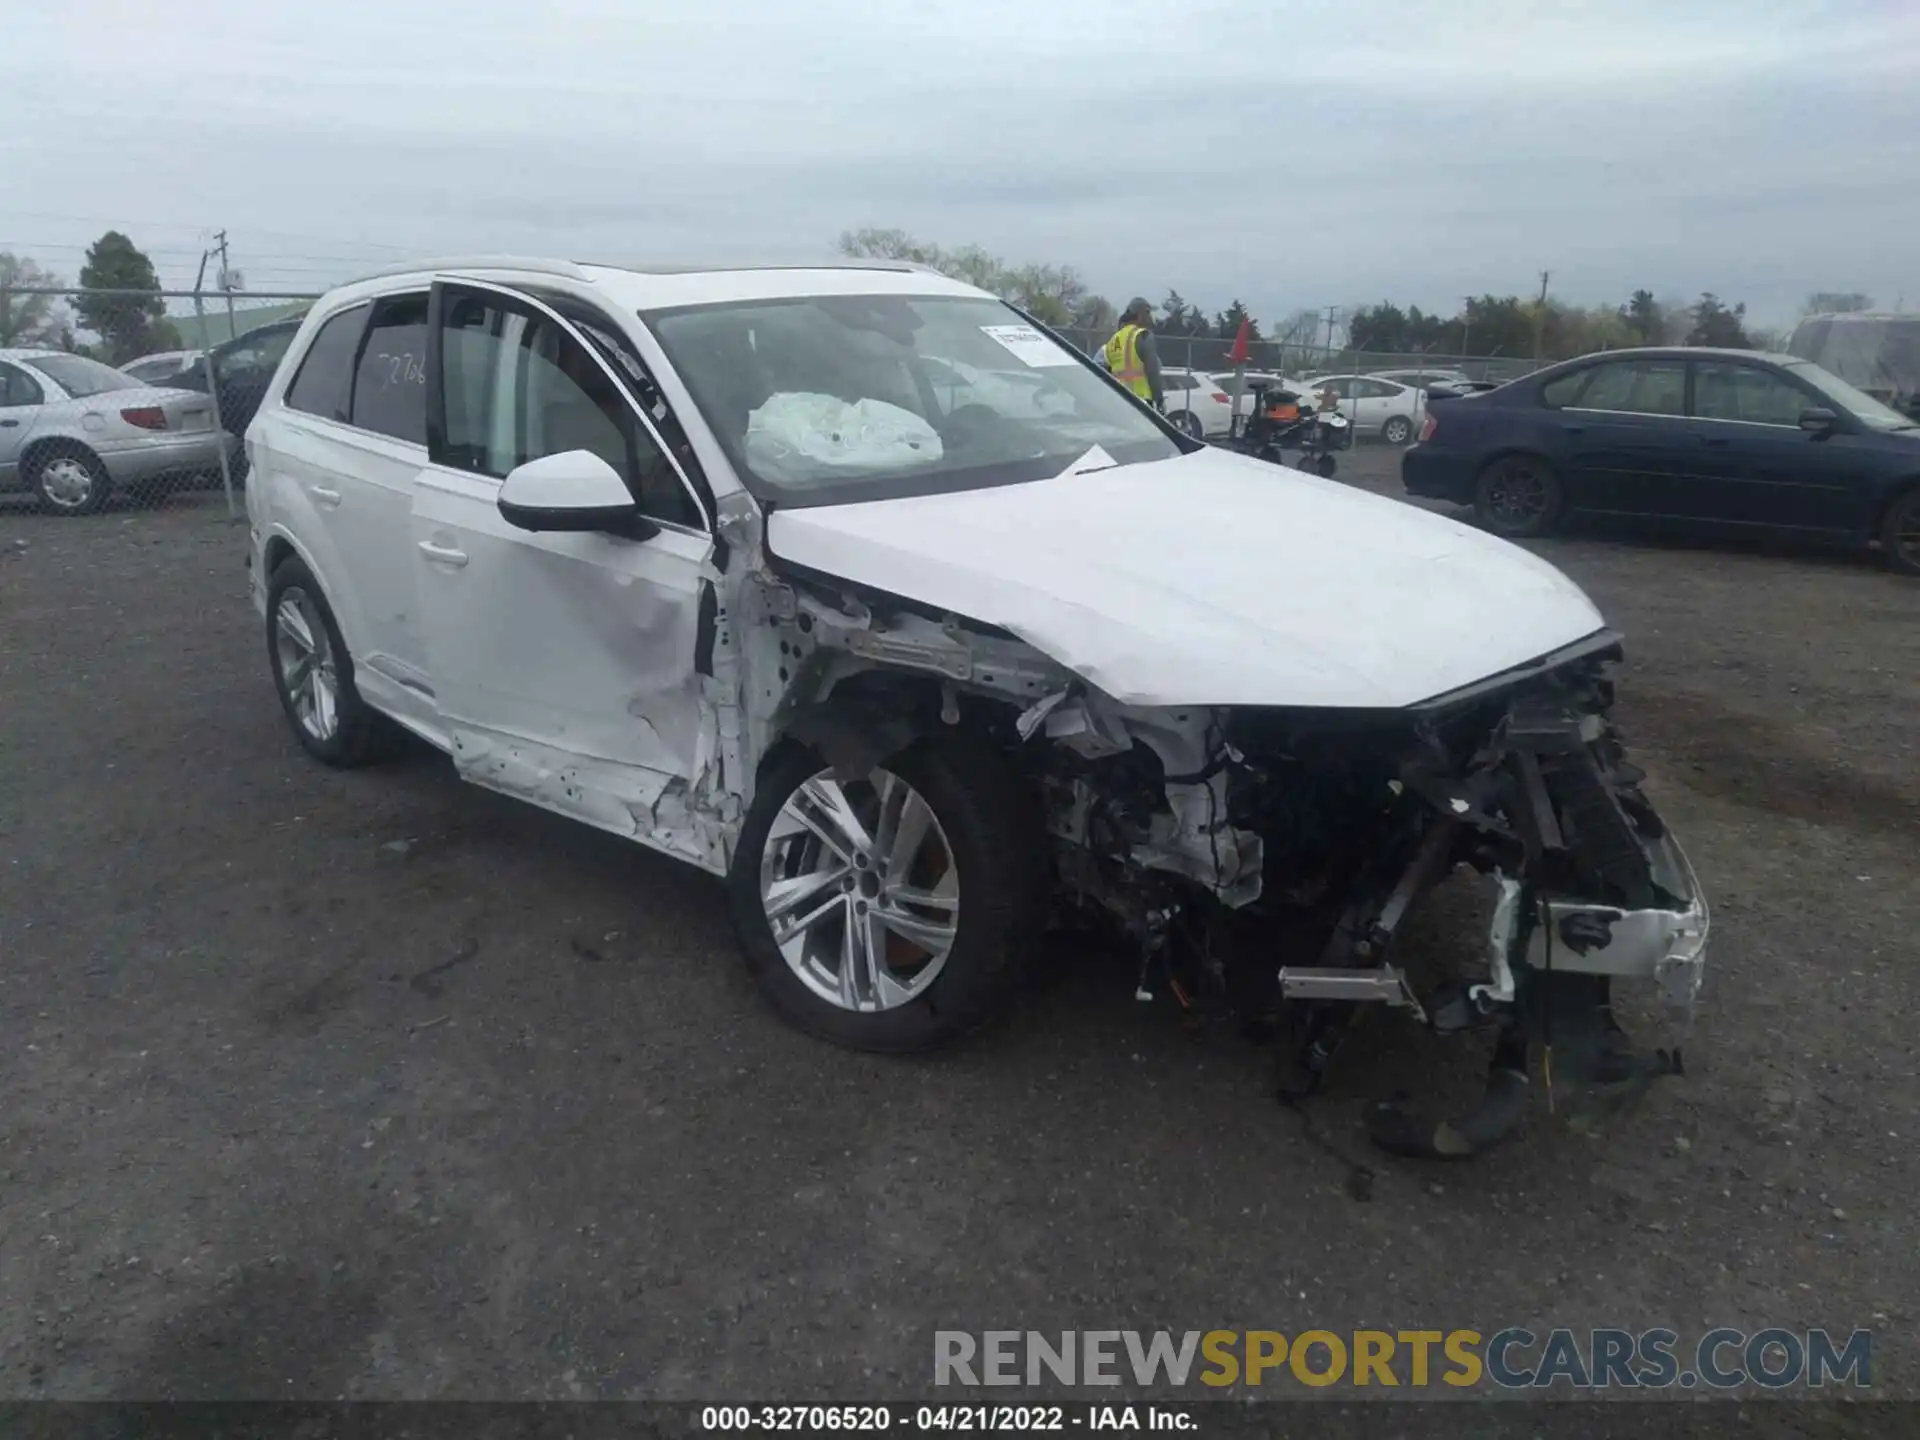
[(202, 229)]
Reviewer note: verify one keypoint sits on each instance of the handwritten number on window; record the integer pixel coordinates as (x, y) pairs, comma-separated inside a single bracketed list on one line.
[(399, 369)]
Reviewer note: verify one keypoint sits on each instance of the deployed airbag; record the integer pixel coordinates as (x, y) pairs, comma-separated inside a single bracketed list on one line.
[(798, 436)]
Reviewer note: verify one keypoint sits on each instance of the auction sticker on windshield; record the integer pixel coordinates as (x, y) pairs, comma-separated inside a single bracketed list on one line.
[(1028, 345)]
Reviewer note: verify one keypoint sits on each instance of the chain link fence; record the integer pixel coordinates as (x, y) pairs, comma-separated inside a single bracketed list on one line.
[(126, 397)]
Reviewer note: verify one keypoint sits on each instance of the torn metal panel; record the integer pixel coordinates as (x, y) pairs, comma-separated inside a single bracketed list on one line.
[(644, 805)]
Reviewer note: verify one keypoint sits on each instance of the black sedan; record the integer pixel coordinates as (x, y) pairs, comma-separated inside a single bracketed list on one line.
[(1711, 437), (244, 367)]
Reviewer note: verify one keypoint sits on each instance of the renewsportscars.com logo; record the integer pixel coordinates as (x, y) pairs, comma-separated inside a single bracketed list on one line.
[(1512, 1359)]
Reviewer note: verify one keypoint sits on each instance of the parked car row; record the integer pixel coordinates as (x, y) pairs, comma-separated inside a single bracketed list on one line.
[(1385, 405), (73, 430), (1725, 438)]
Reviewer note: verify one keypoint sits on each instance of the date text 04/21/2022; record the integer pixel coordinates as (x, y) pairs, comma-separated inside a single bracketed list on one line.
[(946, 1417)]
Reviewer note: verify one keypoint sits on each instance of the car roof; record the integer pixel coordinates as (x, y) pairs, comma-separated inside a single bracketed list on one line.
[(666, 286), (31, 355), (1688, 352)]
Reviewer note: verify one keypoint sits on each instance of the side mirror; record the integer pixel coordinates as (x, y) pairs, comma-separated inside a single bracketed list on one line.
[(1818, 420), (573, 491)]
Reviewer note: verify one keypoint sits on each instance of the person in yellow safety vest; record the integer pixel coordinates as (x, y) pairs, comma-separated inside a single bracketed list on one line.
[(1131, 356)]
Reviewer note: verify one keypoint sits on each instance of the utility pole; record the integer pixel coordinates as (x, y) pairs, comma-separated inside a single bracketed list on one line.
[(220, 239), (1330, 313), (1540, 315), (1466, 325)]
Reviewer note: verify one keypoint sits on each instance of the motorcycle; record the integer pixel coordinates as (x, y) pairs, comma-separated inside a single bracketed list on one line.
[(1283, 420)]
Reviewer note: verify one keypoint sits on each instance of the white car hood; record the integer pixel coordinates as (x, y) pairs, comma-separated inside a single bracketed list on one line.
[(1211, 579)]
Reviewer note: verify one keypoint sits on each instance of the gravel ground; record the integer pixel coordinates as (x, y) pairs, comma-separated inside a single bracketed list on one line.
[(377, 1085)]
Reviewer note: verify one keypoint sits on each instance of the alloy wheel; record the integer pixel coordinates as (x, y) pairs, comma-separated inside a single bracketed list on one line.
[(306, 661), (1517, 496), (861, 890)]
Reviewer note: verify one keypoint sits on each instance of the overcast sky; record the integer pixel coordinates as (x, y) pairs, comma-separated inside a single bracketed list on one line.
[(1294, 154)]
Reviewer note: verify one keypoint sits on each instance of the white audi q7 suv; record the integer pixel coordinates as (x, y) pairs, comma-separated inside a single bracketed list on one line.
[(857, 586)]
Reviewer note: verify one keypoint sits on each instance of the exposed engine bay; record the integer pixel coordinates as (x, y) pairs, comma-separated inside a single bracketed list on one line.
[(1262, 860)]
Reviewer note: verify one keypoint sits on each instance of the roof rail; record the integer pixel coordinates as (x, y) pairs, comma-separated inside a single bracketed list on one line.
[(641, 267), (481, 262)]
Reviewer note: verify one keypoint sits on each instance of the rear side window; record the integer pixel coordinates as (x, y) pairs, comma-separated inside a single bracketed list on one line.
[(1563, 389), (1638, 387), (19, 388), (324, 384), (390, 379)]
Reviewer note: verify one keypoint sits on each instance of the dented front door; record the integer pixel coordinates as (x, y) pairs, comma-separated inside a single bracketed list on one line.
[(563, 664)]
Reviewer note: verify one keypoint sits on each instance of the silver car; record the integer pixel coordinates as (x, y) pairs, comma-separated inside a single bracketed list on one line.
[(73, 430), (159, 368)]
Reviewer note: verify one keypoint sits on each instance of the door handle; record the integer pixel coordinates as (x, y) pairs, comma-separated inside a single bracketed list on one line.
[(8, 424), (443, 554), (1718, 442), (326, 497), (1573, 429)]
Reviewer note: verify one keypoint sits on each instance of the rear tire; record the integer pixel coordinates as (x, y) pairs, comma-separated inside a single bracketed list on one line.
[(1900, 533), (1518, 496), (68, 479), (1397, 431), (950, 965), (313, 672)]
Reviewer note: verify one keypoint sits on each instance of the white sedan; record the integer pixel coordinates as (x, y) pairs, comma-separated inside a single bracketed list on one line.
[(1385, 408), (1424, 379), (1196, 402)]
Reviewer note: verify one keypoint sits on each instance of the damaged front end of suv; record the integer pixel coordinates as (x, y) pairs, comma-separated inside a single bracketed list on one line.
[(1262, 861), (994, 648)]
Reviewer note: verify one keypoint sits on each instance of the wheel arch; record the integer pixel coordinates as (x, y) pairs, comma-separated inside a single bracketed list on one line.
[(1510, 450), (40, 445), (281, 543), (1896, 492), (864, 720)]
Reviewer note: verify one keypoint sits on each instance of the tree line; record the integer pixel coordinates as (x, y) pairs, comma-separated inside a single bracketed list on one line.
[(1511, 326), (124, 327), (1487, 326)]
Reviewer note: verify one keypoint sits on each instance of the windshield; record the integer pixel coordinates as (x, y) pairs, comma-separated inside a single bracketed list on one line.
[(1868, 411), (79, 376), (836, 398)]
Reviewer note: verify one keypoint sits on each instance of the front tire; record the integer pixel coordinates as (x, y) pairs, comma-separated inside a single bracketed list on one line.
[(1189, 422), (313, 672), (1518, 496), (1397, 431), (887, 913), (69, 480), (1900, 533)]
